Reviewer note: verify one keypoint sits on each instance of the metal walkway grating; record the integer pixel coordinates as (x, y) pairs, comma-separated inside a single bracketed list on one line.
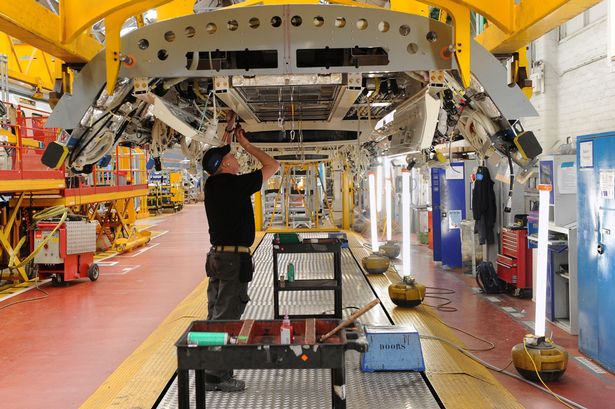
[(309, 389)]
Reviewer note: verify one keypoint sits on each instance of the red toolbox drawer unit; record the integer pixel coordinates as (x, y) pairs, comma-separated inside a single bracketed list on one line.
[(515, 262)]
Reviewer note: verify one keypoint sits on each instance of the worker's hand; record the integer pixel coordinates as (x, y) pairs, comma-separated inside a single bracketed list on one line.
[(240, 136), (227, 138)]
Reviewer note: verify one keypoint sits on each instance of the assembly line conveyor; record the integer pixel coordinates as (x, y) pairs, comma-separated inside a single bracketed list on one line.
[(309, 388)]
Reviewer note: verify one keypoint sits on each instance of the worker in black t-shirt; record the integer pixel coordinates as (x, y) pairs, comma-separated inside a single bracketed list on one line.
[(231, 233)]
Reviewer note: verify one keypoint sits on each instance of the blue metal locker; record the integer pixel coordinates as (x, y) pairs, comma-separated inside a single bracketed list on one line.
[(449, 209), (454, 201), (437, 177), (596, 249)]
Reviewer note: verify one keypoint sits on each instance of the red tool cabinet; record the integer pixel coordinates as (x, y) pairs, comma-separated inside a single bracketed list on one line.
[(515, 261)]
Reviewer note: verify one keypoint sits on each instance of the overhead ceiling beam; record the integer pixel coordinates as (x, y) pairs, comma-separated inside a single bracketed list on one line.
[(532, 19), (33, 24)]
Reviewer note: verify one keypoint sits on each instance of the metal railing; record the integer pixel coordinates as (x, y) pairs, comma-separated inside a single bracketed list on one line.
[(126, 171), (22, 145)]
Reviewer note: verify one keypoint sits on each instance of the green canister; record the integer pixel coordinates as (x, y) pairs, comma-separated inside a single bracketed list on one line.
[(207, 338), (290, 273)]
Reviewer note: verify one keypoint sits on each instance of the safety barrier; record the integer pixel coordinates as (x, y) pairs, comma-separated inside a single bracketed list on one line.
[(22, 144)]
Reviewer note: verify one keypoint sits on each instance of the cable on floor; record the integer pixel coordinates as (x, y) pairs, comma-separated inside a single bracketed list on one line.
[(468, 351), (439, 291), (486, 364), (539, 377), (444, 307), (46, 294)]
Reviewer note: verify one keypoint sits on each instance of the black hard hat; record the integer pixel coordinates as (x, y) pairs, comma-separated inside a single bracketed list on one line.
[(213, 158)]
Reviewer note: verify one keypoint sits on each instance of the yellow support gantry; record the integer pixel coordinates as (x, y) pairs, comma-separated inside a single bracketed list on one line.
[(28, 64), (531, 20), (33, 24), (511, 25)]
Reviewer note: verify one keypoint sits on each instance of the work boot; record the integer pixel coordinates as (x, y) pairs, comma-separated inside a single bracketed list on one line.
[(226, 385)]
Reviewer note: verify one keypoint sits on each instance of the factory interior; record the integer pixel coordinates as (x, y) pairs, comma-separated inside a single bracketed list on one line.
[(307, 204)]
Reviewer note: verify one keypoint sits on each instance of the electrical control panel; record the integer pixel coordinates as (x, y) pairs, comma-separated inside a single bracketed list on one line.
[(50, 253)]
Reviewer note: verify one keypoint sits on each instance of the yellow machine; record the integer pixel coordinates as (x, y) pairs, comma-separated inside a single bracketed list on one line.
[(376, 263), (539, 357), (407, 293)]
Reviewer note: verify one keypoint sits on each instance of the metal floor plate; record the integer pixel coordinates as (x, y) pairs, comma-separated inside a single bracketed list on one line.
[(310, 389)]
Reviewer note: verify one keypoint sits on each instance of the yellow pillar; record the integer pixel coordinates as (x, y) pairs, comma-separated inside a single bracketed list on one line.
[(346, 200), (258, 211)]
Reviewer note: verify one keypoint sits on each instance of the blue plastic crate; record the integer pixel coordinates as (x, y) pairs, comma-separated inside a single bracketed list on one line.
[(392, 348)]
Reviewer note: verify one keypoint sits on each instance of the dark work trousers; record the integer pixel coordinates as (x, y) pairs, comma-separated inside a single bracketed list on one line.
[(227, 294)]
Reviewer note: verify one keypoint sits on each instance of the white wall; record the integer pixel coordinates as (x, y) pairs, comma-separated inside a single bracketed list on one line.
[(579, 95)]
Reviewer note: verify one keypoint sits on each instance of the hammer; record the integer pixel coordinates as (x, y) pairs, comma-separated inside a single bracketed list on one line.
[(350, 320)]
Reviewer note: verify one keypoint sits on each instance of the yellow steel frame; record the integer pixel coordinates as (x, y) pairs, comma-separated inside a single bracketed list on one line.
[(175, 8), (77, 15), (346, 199), (5, 235), (33, 24), (258, 211), (28, 64), (121, 221), (21, 185), (286, 176), (531, 19), (85, 199)]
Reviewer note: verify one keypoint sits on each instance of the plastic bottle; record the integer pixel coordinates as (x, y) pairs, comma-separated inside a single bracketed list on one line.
[(286, 331), (290, 272)]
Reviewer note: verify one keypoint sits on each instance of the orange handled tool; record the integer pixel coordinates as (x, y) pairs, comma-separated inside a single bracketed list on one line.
[(350, 320)]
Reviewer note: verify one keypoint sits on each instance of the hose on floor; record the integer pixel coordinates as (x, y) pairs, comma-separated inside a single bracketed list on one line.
[(539, 377), (42, 297), (42, 215), (468, 351), (486, 364), (444, 306)]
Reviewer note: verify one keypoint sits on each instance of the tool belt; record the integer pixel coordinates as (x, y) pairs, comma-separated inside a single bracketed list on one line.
[(231, 249)]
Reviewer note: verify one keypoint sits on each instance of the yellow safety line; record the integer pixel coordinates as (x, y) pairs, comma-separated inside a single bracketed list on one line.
[(139, 380), (459, 381)]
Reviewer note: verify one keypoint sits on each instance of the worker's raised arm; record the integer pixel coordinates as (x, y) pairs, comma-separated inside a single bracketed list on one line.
[(270, 165)]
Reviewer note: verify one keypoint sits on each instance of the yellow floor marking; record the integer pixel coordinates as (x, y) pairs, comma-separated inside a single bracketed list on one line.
[(459, 381), (140, 379)]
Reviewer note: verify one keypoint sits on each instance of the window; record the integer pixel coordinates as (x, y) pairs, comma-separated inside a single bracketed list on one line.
[(588, 17)]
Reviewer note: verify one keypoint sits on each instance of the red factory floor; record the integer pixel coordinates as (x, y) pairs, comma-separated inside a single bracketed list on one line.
[(58, 350), (504, 320)]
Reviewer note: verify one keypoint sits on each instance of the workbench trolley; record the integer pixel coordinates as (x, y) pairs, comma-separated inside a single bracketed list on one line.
[(258, 347)]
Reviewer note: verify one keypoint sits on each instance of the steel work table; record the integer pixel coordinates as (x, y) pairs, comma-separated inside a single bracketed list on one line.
[(258, 347), (334, 283)]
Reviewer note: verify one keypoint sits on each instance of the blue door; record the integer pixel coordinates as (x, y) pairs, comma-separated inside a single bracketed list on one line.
[(596, 249), (453, 204), (437, 178)]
